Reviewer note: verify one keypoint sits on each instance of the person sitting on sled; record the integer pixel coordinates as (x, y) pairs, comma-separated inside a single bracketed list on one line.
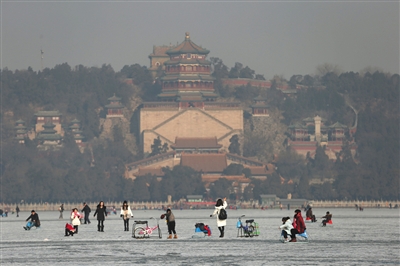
[(69, 229), (286, 227), (310, 215), (298, 225), (34, 220), (327, 217)]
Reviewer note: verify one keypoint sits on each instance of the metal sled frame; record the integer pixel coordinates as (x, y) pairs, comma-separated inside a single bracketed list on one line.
[(303, 237), (141, 229)]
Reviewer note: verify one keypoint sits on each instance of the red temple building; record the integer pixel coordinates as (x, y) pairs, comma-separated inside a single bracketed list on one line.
[(114, 107), (196, 145), (260, 106)]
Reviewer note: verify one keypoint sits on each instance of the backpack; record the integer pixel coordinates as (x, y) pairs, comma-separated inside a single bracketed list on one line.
[(222, 214)]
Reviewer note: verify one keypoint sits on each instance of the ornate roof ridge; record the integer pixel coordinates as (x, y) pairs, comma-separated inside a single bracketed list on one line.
[(187, 46)]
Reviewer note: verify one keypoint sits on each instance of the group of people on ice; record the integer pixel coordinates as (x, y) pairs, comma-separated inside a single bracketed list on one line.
[(101, 213), (293, 228), (126, 213), (298, 226), (288, 227), (311, 217)]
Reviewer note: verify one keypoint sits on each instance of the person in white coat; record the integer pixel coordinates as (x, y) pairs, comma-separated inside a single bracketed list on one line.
[(126, 213), (286, 227), (75, 219), (221, 204)]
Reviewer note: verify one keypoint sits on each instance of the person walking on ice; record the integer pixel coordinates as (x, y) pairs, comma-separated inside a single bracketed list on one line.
[(86, 210), (126, 213), (61, 209), (101, 212)]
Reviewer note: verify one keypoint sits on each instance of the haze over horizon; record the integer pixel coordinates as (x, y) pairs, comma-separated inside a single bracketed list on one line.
[(272, 38)]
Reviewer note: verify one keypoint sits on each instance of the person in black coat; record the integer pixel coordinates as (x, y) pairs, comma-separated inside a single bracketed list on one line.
[(34, 217), (86, 210), (101, 213)]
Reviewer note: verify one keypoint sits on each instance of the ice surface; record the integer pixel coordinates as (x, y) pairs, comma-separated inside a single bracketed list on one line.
[(369, 237)]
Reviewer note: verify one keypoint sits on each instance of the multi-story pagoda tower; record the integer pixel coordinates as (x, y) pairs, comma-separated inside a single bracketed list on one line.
[(20, 131), (48, 136), (44, 117), (187, 77), (75, 128)]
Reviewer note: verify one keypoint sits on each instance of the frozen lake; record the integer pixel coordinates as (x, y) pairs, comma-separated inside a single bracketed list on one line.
[(370, 237)]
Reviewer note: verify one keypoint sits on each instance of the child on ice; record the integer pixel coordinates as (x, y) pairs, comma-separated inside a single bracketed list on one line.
[(286, 228), (69, 229), (76, 219)]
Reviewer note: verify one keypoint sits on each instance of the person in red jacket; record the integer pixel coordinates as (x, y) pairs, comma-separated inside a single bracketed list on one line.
[(298, 225)]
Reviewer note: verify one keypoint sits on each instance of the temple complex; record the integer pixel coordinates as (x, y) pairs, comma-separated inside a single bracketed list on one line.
[(187, 107), (312, 132), (203, 156)]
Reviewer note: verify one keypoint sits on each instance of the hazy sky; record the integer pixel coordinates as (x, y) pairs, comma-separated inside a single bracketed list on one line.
[(271, 37)]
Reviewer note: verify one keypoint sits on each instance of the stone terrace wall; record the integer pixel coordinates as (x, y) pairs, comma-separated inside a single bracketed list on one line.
[(177, 205)]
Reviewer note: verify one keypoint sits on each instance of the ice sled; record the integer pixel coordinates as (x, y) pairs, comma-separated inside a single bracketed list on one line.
[(327, 223), (201, 230), (29, 225), (303, 237)]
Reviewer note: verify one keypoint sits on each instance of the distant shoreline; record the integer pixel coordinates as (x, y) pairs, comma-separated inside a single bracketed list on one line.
[(188, 205)]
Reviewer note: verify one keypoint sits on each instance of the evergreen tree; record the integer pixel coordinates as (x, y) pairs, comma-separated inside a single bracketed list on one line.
[(158, 148), (234, 147)]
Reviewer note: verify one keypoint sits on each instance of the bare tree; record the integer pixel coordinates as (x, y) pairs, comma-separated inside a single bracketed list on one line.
[(326, 68)]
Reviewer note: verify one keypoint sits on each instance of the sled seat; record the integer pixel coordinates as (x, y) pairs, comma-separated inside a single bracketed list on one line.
[(140, 222), (304, 234)]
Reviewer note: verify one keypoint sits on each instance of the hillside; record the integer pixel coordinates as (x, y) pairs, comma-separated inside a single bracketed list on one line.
[(82, 93)]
